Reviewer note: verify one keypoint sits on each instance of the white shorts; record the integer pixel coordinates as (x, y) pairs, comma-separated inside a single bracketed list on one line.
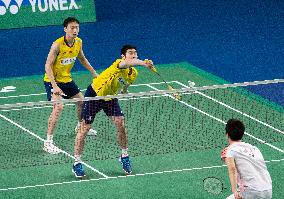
[(253, 194)]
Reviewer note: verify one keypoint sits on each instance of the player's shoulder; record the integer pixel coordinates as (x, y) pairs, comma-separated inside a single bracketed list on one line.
[(249, 146), (227, 150), (241, 144), (115, 64), (224, 152), (59, 40), (117, 61), (237, 145), (79, 40)]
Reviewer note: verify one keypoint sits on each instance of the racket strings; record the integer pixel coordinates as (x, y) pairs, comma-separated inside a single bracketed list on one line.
[(175, 95), (213, 185)]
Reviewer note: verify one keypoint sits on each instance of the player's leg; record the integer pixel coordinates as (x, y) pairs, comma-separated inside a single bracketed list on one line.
[(112, 109), (73, 91), (80, 139), (90, 109), (55, 114), (52, 120), (123, 143), (121, 133), (78, 95), (78, 169), (79, 104)]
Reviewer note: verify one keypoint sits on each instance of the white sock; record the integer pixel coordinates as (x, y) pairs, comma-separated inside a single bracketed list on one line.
[(124, 152), (49, 138), (77, 159)]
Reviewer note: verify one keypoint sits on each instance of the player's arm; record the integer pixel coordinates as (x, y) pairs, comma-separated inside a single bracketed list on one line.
[(83, 60), (232, 171), (135, 62), (130, 77), (54, 50)]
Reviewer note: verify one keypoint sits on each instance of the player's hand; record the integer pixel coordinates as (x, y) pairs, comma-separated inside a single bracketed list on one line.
[(123, 91), (150, 64), (237, 195), (57, 91)]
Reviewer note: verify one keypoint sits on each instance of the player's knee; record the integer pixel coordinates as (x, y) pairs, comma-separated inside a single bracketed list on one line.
[(58, 107), (84, 127), (79, 104), (87, 128), (119, 121)]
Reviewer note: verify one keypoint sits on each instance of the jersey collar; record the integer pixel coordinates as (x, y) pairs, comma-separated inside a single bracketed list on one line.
[(67, 42)]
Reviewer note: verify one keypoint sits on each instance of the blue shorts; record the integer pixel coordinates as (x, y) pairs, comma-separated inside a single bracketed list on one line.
[(92, 107), (70, 89)]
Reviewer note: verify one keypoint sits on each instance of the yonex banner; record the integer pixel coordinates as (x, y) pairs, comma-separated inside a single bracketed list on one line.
[(30, 13)]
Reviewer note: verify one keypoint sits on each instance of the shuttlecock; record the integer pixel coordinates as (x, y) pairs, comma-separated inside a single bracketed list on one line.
[(191, 84)]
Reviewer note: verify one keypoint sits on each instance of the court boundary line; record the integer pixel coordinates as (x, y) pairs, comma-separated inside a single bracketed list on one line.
[(221, 121), (41, 139), (233, 109), (126, 176)]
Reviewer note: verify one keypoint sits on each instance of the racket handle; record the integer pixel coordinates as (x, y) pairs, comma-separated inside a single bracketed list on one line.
[(153, 69)]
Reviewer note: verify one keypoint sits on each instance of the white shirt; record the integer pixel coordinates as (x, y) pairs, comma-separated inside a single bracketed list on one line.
[(251, 168)]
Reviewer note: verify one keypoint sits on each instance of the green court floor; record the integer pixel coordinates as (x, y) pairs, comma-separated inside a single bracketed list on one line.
[(173, 144)]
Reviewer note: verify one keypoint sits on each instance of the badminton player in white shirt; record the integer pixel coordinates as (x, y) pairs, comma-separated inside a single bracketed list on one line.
[(247, 171)]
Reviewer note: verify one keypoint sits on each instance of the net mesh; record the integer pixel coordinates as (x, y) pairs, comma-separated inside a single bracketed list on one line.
[(156, 122)]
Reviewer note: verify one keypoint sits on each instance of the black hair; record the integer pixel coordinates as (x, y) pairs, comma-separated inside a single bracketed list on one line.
[(125, 48), (235, 129), (70, 20)]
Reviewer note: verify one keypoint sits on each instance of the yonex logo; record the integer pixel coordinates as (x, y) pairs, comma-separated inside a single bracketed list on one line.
[(12, 8), (37, 5)]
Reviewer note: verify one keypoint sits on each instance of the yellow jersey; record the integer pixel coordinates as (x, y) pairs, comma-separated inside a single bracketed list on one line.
[(111, 80), (65, 60)]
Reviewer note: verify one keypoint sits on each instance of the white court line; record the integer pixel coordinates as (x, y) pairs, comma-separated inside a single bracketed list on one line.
[(39, 138), (221, 121), (233, 109), (37, 94), (126, 176)]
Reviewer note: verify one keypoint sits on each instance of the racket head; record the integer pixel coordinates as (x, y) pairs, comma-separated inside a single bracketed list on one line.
[(170, 87), (213, 185), (175, 95)]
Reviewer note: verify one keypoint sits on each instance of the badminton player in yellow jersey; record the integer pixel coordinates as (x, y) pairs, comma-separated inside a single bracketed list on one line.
[(58, 80), (116, 77)]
